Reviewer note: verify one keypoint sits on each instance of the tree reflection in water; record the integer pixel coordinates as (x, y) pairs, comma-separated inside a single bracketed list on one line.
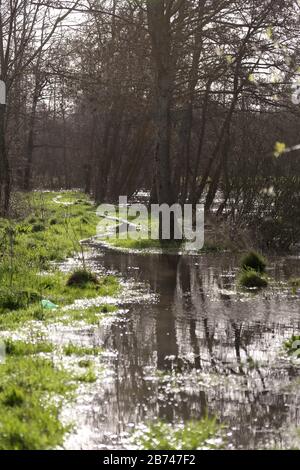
[(201, 348)]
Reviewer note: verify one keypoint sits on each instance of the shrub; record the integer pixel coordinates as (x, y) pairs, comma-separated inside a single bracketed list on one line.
[(81, 277), (254, 261), (252, 279)]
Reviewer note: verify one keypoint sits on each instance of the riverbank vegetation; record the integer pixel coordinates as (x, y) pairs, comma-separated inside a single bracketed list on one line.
[(35, 385)]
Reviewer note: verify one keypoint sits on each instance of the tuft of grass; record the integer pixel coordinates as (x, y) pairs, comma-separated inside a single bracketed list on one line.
[(73, 349), (254, 261), (190, 436), (252, 279), (85, 363), (88, 377), (38, 228), (82, 278)]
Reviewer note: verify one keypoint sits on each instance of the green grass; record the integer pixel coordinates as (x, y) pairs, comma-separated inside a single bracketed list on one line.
[(37, 240), (190, 436), (73, 349), (91, 315), (53, 286), (26, 273), (23, 348), (11, 320), (143, 241), (144, 244), (29, 415), (254, 261), (249, 279), (88, 377), (32, 389)]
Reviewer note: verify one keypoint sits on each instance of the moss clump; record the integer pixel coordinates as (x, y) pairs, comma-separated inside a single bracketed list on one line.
[(252, 279), (81, 278), (190, 436), (254, 261)]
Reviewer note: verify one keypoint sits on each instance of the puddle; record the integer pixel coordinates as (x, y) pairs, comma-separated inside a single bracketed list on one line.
[(187, 343)]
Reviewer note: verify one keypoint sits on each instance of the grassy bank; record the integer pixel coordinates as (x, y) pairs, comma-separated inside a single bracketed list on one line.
[(46, 228)]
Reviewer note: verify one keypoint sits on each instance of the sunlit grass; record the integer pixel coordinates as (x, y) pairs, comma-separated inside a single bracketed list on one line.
[(75, 350), (189, 436), (31, 396)]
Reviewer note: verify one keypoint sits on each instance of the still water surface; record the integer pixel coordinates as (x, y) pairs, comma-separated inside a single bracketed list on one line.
[(196, 345)]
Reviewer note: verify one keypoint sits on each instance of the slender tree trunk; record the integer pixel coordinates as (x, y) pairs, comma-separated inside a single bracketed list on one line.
[(200, 143), (29, 149), (217, 174), (5, 181)]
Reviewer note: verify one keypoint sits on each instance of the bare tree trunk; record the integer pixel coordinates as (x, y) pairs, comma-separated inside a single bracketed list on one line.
[(159, 27), (29, 147), (5, 181), (188, 118)]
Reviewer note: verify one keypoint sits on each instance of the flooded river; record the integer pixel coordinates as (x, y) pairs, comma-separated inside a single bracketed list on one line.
[(195, 345)]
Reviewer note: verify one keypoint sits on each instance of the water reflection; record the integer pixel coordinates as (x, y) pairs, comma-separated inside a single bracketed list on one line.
[(202, 347)]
